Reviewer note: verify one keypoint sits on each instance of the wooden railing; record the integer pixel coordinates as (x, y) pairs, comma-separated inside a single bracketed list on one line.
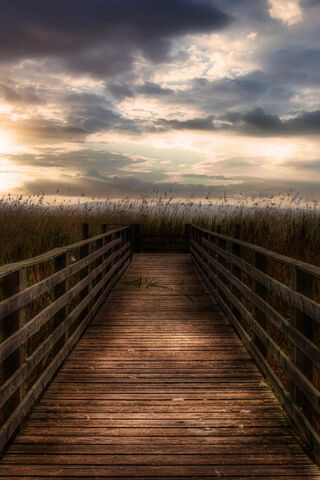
[(46, 304), (273, 303)]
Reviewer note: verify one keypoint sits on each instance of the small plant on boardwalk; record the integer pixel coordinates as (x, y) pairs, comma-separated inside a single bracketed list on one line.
[(143, 282)]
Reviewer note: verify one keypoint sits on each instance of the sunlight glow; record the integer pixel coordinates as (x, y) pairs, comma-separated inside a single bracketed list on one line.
[(6, 142)]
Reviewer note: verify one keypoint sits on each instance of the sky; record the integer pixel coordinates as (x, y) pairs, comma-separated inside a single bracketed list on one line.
[(115, 98)]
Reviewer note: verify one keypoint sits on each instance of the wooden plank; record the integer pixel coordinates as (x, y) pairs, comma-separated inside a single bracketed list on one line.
[(164, 471), (156, 459)]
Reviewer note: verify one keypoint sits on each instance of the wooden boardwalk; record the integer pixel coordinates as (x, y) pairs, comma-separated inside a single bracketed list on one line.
[(159, 386)]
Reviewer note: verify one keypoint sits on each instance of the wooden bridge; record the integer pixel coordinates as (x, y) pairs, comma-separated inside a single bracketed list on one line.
[(172, 374)]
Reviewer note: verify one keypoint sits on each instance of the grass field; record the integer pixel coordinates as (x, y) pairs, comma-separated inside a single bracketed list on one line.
[(289, 224)]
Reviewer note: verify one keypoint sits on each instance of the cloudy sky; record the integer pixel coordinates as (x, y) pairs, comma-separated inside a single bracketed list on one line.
[(122, 97)]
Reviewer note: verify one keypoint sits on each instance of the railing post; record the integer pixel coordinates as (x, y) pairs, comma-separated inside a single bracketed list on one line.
[(61, 262), (187, 236), (136, 237), (99, 244), (84, 252), (222, 244), (116, 236), (131, 238), (85, 231), (302, 283), (12, 284), (236, 271), (260, 262), (104, 240)]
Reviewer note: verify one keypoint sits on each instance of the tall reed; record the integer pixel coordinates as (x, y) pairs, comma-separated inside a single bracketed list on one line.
[(289, 224)]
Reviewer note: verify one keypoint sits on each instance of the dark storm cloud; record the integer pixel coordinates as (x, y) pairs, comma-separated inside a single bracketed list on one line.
[(310, 3), (208, 177), (108, 187), (103, 186), (44, 130), (80, 121), (205, 123), (120, 91), (255, 122), (82, 160), (101, 36), (296, 65), (16, 95), (313, 165), (153, 89), (250, 11), (96, 118), (76, 98), (220, 95), (261, 123)]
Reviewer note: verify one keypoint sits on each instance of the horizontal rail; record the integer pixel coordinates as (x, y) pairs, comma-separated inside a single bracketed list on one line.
[(303, 303), (278, 323), (306, 267), (21, 299), (294, 412), (306, 346), (33, 345), (285, 362), (54, 253), (20, 375), (22, 335)]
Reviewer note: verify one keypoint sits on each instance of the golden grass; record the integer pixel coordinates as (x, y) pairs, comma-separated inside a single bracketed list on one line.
[(288, 224)]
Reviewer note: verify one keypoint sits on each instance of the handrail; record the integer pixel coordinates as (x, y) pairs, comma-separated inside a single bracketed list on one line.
[(41, 322), (303, 266), (56, 252), (278, 323)]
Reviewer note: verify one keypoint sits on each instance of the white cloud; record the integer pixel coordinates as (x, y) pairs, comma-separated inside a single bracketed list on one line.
[(252, 36), (289, 11)]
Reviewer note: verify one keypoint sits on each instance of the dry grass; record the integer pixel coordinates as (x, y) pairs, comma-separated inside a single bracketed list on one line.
[(288, 224)]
